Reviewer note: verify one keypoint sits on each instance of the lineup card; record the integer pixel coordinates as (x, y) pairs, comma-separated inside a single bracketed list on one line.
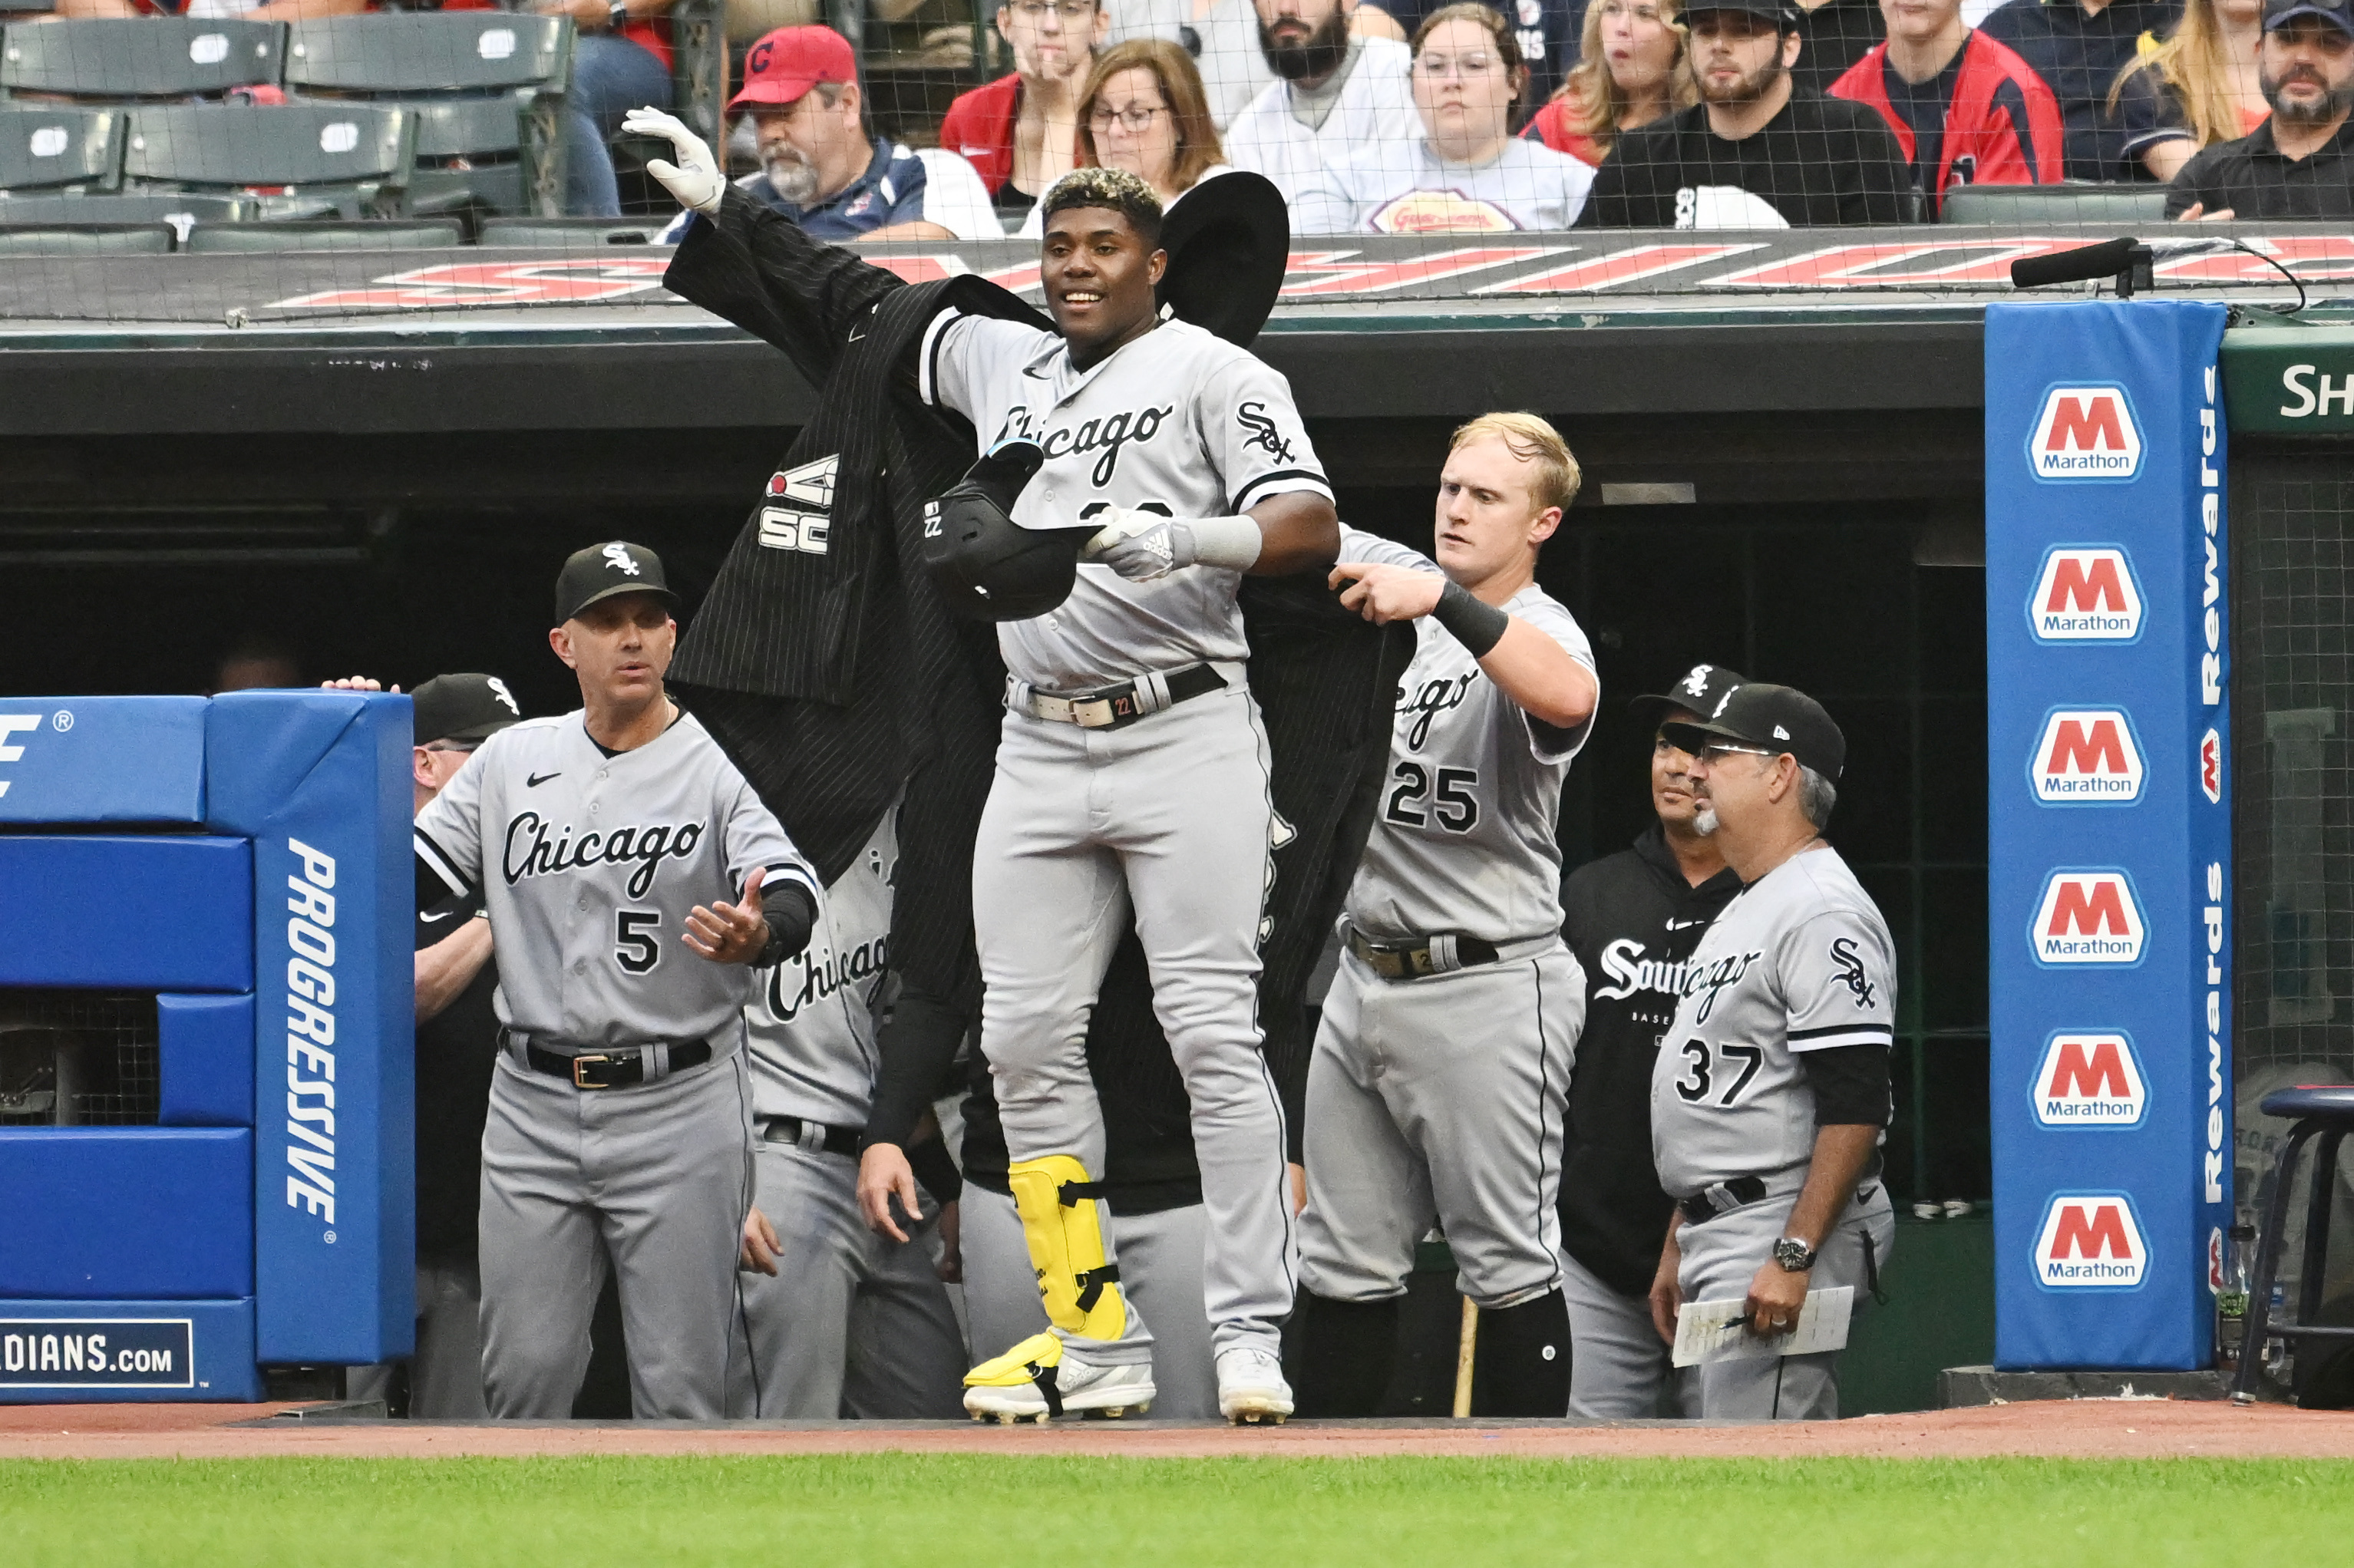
[(1714, 1330)]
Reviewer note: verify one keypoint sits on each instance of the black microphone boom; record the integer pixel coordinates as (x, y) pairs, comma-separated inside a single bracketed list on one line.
[(2111, 258)]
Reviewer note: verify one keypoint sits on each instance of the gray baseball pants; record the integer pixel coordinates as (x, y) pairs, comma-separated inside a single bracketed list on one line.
[(794, 1343), (1442, 1098), (1723, 1255), (445, 1374), (649, 1180), (1619, 1369), (1160, 1265), (1168, 820)]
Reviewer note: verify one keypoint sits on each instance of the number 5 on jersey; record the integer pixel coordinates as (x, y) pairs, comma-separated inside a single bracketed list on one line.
[(1700, 1074), (1452, 802), (635, 948)]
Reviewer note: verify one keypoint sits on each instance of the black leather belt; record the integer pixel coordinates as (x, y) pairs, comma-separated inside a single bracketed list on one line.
[(792, 1129), (1411, 960), (611, 1069), (1721, 1198), (1115, 707)]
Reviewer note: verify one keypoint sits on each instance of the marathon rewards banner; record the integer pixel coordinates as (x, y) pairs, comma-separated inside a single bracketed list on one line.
[(2108, 826)]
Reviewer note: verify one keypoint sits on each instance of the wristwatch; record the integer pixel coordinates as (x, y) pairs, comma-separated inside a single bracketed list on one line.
[(1795, 1256)]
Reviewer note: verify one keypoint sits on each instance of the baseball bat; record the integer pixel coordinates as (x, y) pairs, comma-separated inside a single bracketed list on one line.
[(1466, 1347)]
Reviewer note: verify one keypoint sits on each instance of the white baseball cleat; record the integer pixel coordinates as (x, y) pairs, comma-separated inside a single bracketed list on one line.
[(1251, 1387), (1041, 1378)]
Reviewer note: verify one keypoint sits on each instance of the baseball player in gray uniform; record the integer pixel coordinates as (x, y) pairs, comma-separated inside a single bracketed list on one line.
[(1442, 1062), (631, 876), (809, 1257), (1132, 783), (1770, 1092)]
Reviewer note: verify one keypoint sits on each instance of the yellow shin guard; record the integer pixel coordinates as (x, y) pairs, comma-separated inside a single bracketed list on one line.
[(1079, 1284)]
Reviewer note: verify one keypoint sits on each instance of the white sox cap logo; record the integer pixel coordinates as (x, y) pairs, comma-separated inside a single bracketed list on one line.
[(499, 690), (617, 556), (1696, 683)]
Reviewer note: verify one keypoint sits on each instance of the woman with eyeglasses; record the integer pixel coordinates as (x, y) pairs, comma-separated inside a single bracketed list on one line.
[(1630, 71), (1467, 172), (1144, 110), (1020, 132)]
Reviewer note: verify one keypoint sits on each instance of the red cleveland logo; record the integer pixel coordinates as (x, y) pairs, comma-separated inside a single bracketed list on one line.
[(2086, 432)]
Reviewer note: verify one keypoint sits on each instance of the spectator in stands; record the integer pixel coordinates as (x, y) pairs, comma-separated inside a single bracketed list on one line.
[(1467, 172), (1546, 31), (2198, 88), (1340, 92), (1965, 109), (244, 10), (1222, 37), (1022, 130), (621, 58), (1630, 71), (1144, 111), (1832, 36), (2078, 48), (821, 167), (1755, 153), (2300, 163)]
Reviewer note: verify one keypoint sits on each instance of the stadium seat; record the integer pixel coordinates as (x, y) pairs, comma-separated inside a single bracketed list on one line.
[(399, 234), (176, 210), (2323, 1112), (570, 233), (2069, 202), (85, 238), (486, 136), (354, 156), (148, 57), (59, 146)]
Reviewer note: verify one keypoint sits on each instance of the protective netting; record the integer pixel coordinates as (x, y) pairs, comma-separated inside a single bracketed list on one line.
[(215, 162), (79, 1059)]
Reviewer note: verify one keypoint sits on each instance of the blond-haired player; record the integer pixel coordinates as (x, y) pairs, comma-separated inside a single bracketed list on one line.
[(1438, 1087)]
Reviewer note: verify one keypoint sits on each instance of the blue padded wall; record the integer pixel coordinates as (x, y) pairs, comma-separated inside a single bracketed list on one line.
[(143, 912), (70, 760), (320, 782), (52, 1352), (208, 1059), (127, 1213)]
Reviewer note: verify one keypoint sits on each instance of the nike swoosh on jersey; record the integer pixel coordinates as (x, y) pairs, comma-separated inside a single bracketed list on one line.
[(536, 779)]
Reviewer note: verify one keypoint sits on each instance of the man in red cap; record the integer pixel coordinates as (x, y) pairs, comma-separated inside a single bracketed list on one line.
[(822, 169)]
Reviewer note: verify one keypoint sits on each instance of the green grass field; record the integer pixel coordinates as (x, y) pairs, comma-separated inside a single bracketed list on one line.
[(1115, 1513)]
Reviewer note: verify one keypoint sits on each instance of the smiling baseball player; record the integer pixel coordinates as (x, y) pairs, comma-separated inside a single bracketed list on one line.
[(1770, 1094), (1442, 1062), (610, 846)]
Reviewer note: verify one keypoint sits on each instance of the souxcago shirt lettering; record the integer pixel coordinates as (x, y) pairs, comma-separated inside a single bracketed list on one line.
[(590, 863)]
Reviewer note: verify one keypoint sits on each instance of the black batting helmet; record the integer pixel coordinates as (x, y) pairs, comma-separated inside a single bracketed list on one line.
[(988, 566)]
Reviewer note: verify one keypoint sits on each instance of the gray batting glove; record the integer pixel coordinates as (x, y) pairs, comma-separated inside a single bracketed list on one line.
[(696, 179), (1141, 546)]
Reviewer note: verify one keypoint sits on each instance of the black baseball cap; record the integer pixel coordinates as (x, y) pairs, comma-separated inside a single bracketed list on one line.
[(1699, 690), (462, 708), (600, 571), (1778, 718), (2339, 13), (1783, 15)]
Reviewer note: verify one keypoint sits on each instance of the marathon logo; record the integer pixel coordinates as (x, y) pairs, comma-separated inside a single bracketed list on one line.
[(2086, 757), (2090, 1080), (2211, 768), (310, 1034), (2086, 432), (2088, 917), (2085, 596), (2090, 1242), (91, 1352)]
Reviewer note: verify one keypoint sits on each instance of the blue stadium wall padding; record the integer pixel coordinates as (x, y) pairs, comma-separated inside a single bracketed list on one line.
[(58, 1352), (2109, 853), (208, 1059), (320, 782), (142, 912), (127, 1213), (70, 760)]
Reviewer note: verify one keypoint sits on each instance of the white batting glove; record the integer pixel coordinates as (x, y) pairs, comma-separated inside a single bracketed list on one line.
[(696, 179), (1144, 546)]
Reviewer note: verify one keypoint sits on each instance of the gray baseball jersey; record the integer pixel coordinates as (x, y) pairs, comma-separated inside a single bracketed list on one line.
[(1800, 960), (812, 1018), (1394, 188), (1179, 422), (1464, 839), (590, 863)]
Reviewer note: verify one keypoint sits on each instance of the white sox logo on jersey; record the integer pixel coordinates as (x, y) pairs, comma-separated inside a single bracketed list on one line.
[(1263, 431), (1105, 435), (1850, 972), (529, 853), (1713, 978)]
